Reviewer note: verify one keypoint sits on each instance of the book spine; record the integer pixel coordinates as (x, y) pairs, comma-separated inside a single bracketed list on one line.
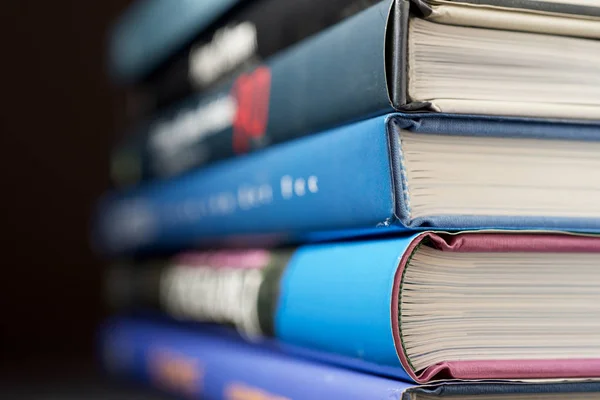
[(235, 287), (216, 365), (244, 37), (315, 299), (339, 180), (328, 292), (300, 91), (148, 32)]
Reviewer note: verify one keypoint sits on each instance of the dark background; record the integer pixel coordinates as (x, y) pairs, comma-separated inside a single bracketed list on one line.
[(59, 119)]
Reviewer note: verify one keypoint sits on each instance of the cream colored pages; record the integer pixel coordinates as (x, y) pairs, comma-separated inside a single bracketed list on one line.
[(515, 19), (464, 175), (487, 71), (522, 109), (588, 3), (591, 3), (499, 306)]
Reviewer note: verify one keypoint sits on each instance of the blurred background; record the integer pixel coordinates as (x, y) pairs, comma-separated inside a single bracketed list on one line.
[(59, 117)]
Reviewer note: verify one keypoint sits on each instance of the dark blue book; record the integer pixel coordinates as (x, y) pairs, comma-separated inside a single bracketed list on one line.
[(239, 40), (388, 174), (400, 55), (151, 31), (212, 363)]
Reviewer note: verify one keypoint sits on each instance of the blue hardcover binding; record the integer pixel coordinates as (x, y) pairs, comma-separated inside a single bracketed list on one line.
[(340, 183), (215, 365), (346, 311), (334, 77), (210, 362), (322, 182), (150, 31)]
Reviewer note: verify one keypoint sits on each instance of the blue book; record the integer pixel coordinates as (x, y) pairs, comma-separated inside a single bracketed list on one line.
[(150, 31), (213, 364), (249, 33), (394, 56), (395, 173), (484, 305)]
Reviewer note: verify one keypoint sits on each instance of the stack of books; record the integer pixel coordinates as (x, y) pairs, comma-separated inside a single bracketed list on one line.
[(349, 199)]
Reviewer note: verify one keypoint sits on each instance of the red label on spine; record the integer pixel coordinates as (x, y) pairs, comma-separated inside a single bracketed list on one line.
[(251, 92)]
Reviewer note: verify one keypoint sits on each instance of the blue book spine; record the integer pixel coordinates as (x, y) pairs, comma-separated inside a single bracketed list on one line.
[(335, 77), (337, 298), (338, 180), (150, 31), (199, 364)]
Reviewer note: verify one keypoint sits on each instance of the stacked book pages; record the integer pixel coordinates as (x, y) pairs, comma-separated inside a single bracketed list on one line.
[(357, 199)]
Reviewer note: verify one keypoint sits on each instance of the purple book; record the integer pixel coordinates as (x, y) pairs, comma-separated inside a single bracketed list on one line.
[(217, 364), (214, 363)]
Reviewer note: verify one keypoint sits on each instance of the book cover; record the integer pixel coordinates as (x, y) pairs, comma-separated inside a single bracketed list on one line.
[(215, 364), (375, 62), (356, 180), (212, 363), (426, 307), (150, 31), (242, 38)]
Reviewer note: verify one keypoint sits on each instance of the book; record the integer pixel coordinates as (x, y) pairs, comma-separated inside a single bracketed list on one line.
[(148, 32), (426, 307), (240, 39), (457, 58), (211, 363), (384, 175)]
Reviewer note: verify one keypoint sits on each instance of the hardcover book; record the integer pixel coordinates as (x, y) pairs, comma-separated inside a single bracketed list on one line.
[(212, 363), (239, 40), (426, 307), (151, 31), (387, 174), (520, 59)]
